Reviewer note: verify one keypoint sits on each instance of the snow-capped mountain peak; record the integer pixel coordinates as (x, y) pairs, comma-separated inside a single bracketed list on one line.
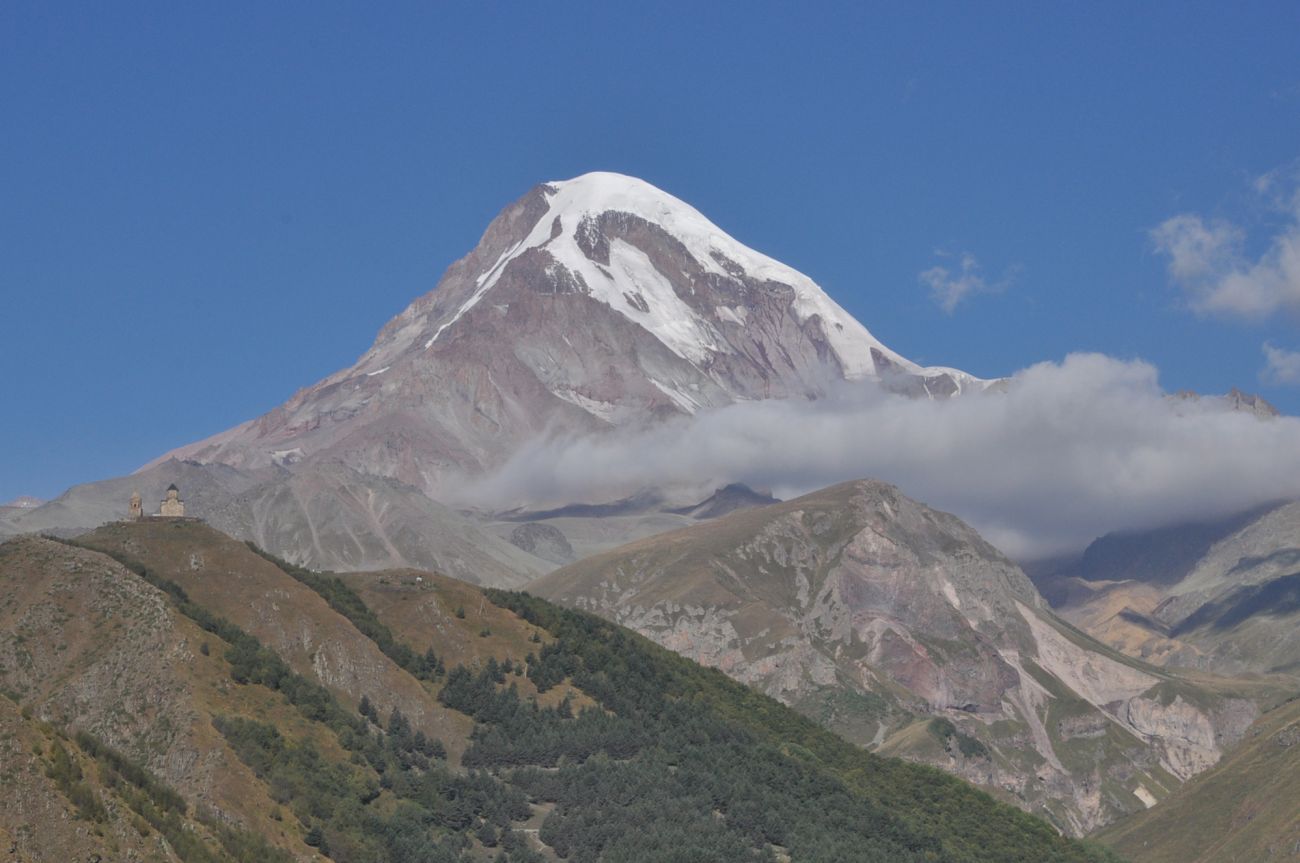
[(589, 304), (629, 283)]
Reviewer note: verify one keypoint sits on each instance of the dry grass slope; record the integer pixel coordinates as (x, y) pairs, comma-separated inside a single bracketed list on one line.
[(1244, 810)]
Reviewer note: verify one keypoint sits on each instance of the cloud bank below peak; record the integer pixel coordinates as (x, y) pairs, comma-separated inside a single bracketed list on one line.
[(1069, 451)]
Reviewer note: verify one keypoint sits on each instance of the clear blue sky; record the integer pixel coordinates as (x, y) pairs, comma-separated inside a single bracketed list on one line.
[(204, 209)]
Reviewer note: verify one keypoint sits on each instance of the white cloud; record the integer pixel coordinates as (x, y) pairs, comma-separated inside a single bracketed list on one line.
[(949, 287), (1071, 451), (1282, 366), (1207, 260), (1197, 250)]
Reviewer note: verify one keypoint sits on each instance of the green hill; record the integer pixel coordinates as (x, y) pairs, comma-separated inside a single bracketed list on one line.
[(267, 711)]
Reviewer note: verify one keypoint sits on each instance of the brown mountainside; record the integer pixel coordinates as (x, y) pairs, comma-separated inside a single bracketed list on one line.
[(227, 578), (172, 694), (899, 627), (88, 646), (85, 643)]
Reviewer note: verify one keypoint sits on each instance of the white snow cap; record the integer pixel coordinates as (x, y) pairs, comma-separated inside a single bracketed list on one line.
[(631, 273)]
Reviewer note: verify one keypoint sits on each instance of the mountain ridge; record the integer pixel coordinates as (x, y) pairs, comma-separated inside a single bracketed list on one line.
[(1220, 596), (900, 627)]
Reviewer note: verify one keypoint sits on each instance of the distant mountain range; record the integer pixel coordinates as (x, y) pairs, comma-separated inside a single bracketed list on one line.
[(590, 305), (1221, 595)]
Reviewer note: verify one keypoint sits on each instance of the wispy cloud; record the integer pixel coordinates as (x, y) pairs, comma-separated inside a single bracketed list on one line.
[(1070, 451), (1286, 93), (1207, 258), (951, 284), (1282, 366)]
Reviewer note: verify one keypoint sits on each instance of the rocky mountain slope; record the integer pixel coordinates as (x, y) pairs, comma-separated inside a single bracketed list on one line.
[(180, 696), (1233, 400), (899, 627), (589, 304), (86, 645), (222, 575), (328, 517), (1247, 807), (1222, 596)]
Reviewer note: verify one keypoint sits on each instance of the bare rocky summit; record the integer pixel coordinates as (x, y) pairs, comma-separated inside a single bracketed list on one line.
[(1234, 400), (544, 540)]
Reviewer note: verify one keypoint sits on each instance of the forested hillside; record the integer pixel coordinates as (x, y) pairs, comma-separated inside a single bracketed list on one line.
[(577, 740)]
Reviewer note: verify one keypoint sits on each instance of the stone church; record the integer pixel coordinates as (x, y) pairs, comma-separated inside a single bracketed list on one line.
[(170, 507)]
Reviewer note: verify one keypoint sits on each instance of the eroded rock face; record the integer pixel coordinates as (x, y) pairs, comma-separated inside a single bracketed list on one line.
[(1245, 809), (879, 616), (1186, 734)]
